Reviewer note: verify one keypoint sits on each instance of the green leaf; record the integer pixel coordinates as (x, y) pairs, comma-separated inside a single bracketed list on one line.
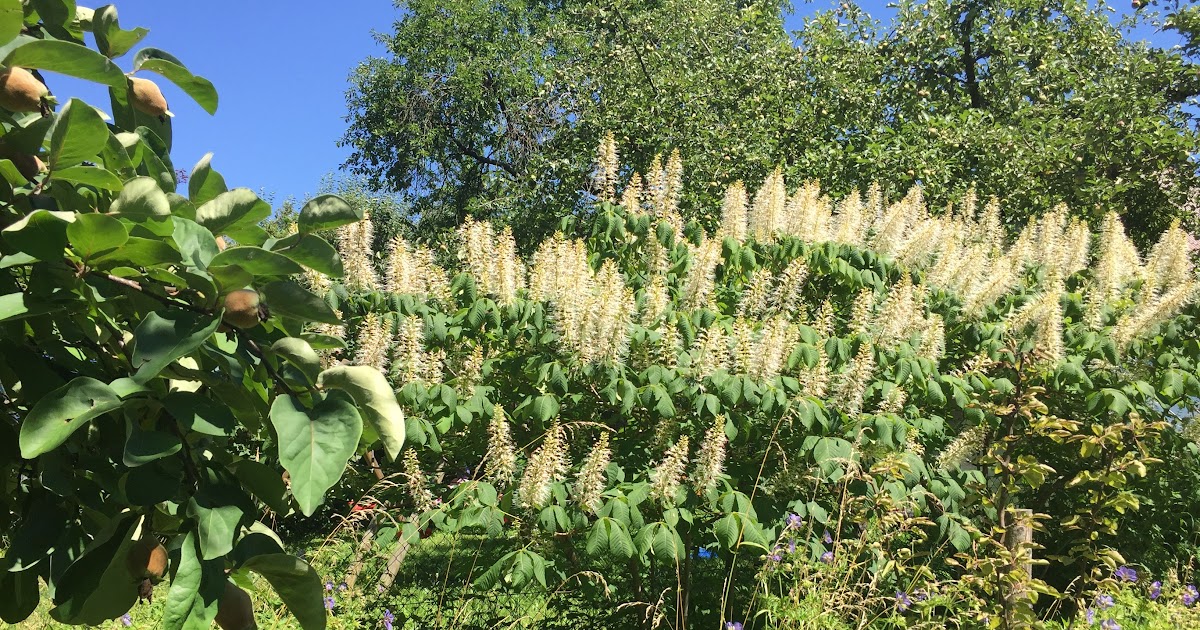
[(256, 261), (141, 198), (79, 134), (200, 413), (34, 538), (61, 412), (67, 58), (144, 446), (12, 20), (264, 482), (217, 523), (41, 234), (200, 89), (313, 252), (296, 583), (205, 183), (544, 408), (99, 585), (300, 354), (110, 38), (19, 596), (228, 209), (161, 340), (375, 399), (196, 244), (91, 234), (93, 176), (196, 589), (326, 212), (21, 306), (289, 299), (138, 252), (315, 448)]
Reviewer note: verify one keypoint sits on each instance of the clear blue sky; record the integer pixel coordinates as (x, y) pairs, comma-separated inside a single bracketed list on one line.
[(280, 70)]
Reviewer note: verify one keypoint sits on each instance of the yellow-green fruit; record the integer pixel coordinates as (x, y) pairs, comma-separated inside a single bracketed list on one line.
[(147, 98), (235, 611), (148, 559), (241, 308), (20, 91)]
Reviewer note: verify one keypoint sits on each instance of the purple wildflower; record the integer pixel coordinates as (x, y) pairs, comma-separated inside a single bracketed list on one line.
[(1104, 602), (388, 618), (1091, 616), (126, 620), (1190, 595), (921, 595), (329, 603), (903, 603), (793, 520), (342, 586), (1127, 574), (1155, 590), (827, 539), (775, 557), (733, 625), (1110, 624), (379, 588), (827, 557), (329, 586), (792, 546)]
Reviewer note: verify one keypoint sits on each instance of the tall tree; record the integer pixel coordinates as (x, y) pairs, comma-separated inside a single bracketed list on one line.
[(493, 108)]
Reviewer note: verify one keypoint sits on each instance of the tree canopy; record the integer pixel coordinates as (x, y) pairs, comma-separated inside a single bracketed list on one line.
[(491, 108)]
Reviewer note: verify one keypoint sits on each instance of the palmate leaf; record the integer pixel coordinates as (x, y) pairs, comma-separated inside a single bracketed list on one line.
[(314, 446)]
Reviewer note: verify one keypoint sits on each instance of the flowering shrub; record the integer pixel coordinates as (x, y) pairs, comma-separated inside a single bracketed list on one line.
[(898, 377)]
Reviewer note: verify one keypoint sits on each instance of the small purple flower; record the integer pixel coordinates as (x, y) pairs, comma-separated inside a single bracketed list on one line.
[(775, 557), (1127, 574), (379, 588), (827, 539), (1104, 602), (827, 557), (1091, 616), (1110, 624), (329, 603), (903, 603), (329, 586), (733, 625), (126, 620), (921, 595), (1155, 590), (792, 546), (342, 586), (793, 520), (1190, 595), (388, 618)]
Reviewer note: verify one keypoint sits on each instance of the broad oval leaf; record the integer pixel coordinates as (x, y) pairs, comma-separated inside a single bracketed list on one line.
[(256, 261), (66, 58), (111, 39), (205, 184), (79, 134), (326, 212), (200, 89), (289, 299), (61, 412), (315, 446), (232, 208), (161, 339), (313, 252), (296, 583), (195, 590), (93, 233), (375, 399), (141, 198)]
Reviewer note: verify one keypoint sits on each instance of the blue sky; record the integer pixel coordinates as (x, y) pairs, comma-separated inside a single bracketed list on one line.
[(280, 70)]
